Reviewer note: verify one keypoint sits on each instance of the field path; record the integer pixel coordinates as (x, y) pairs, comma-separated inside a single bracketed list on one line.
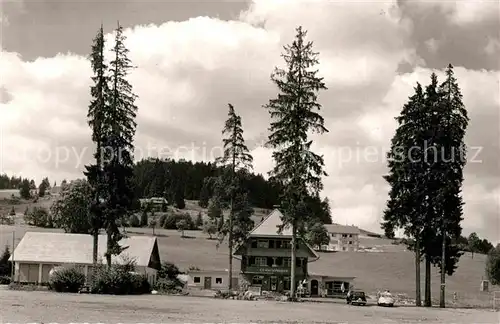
[(46, 307)]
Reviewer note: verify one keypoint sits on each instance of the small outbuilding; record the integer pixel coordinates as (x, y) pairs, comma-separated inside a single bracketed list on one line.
[(329, 286), (39, 252), (210, 279)]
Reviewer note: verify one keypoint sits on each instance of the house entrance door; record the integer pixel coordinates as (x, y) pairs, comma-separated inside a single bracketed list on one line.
[(274, 283), (314, 288), (207, 284)]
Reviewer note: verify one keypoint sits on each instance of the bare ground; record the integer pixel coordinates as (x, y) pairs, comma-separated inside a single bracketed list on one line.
[(44, 307)]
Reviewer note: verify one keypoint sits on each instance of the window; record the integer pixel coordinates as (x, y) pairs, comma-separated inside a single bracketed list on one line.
[(350, 235), (350, 242), (298, 262), (344, 248), (286, 245), (254, 244), (261, 261), (257, 280), (344, 235), (287, 262), (271, 244), (218, 281), (270, 262), (333, 235), (263, 244), (279, 261), (278, 244), (197, 279)]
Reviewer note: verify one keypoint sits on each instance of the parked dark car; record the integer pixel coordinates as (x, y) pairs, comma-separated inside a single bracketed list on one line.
[(356, 298)]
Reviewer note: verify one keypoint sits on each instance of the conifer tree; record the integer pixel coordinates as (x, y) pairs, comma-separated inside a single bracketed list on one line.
[(406, 200), (235, 157), (426, 175), (204, 195), (119, 136), (449, 202), (428, 234), (295, 113), (97, 120)]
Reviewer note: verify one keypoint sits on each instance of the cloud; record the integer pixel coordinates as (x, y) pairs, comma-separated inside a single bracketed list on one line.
[(187, 72)]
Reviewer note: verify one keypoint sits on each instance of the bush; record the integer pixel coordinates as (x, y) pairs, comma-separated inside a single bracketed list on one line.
[(166, 285), (117, 280), (134, 221), (4, 280), (67, 280), (173, 218), (493, 265)]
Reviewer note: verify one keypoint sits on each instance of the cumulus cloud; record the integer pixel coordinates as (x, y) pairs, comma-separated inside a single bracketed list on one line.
[(187, 72)]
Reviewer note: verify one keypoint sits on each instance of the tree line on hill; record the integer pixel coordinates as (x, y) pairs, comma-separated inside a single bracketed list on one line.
[(25, 186), (177, 181)]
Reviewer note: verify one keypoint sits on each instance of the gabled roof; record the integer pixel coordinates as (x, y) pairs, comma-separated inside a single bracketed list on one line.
[(77, 248), (342, 229), (269, 226)]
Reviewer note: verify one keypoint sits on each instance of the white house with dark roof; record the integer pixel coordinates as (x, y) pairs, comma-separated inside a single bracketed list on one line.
[(342, 238), (40, 252)]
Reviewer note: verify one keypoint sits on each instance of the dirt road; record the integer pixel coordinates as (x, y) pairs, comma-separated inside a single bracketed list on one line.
[(46, 307)]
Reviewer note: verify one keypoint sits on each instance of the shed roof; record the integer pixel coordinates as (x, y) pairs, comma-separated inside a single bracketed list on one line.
[(342, 229), (48, 247)]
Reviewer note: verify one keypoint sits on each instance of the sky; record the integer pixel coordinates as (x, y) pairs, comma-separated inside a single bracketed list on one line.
[(192, 58)]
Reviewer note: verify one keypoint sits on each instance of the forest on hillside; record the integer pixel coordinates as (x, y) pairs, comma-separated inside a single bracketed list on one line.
[(165, 178)]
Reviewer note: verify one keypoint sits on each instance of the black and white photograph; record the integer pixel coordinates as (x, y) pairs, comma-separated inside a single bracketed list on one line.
[(250, 161)]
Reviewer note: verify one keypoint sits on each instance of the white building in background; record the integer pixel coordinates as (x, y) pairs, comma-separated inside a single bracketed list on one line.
[(342, 238)]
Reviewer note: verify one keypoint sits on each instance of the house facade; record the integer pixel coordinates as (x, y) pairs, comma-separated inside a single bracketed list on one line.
[(342, 238), (210, 279), (266, 256), (156, 203), (40, 252)]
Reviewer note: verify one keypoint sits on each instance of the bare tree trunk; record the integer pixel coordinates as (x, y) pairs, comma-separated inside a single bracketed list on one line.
[(108, 251), (293, 258), (428, 299), (230, 245), (231, 215), (94, 254), (443, 268), (418, 297)]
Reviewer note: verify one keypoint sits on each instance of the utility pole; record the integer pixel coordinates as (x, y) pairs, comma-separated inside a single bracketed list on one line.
[(443, 267)]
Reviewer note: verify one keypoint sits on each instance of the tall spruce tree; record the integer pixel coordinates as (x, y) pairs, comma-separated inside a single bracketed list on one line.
[(235, 157), (119, 136), (431, 119), (406, 204), (451, 134), (295, 113), (96, 115), (425, 177)]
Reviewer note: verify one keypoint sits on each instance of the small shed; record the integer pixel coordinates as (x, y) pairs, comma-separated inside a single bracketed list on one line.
[(40, 252), (211, 279), (329, 286)]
